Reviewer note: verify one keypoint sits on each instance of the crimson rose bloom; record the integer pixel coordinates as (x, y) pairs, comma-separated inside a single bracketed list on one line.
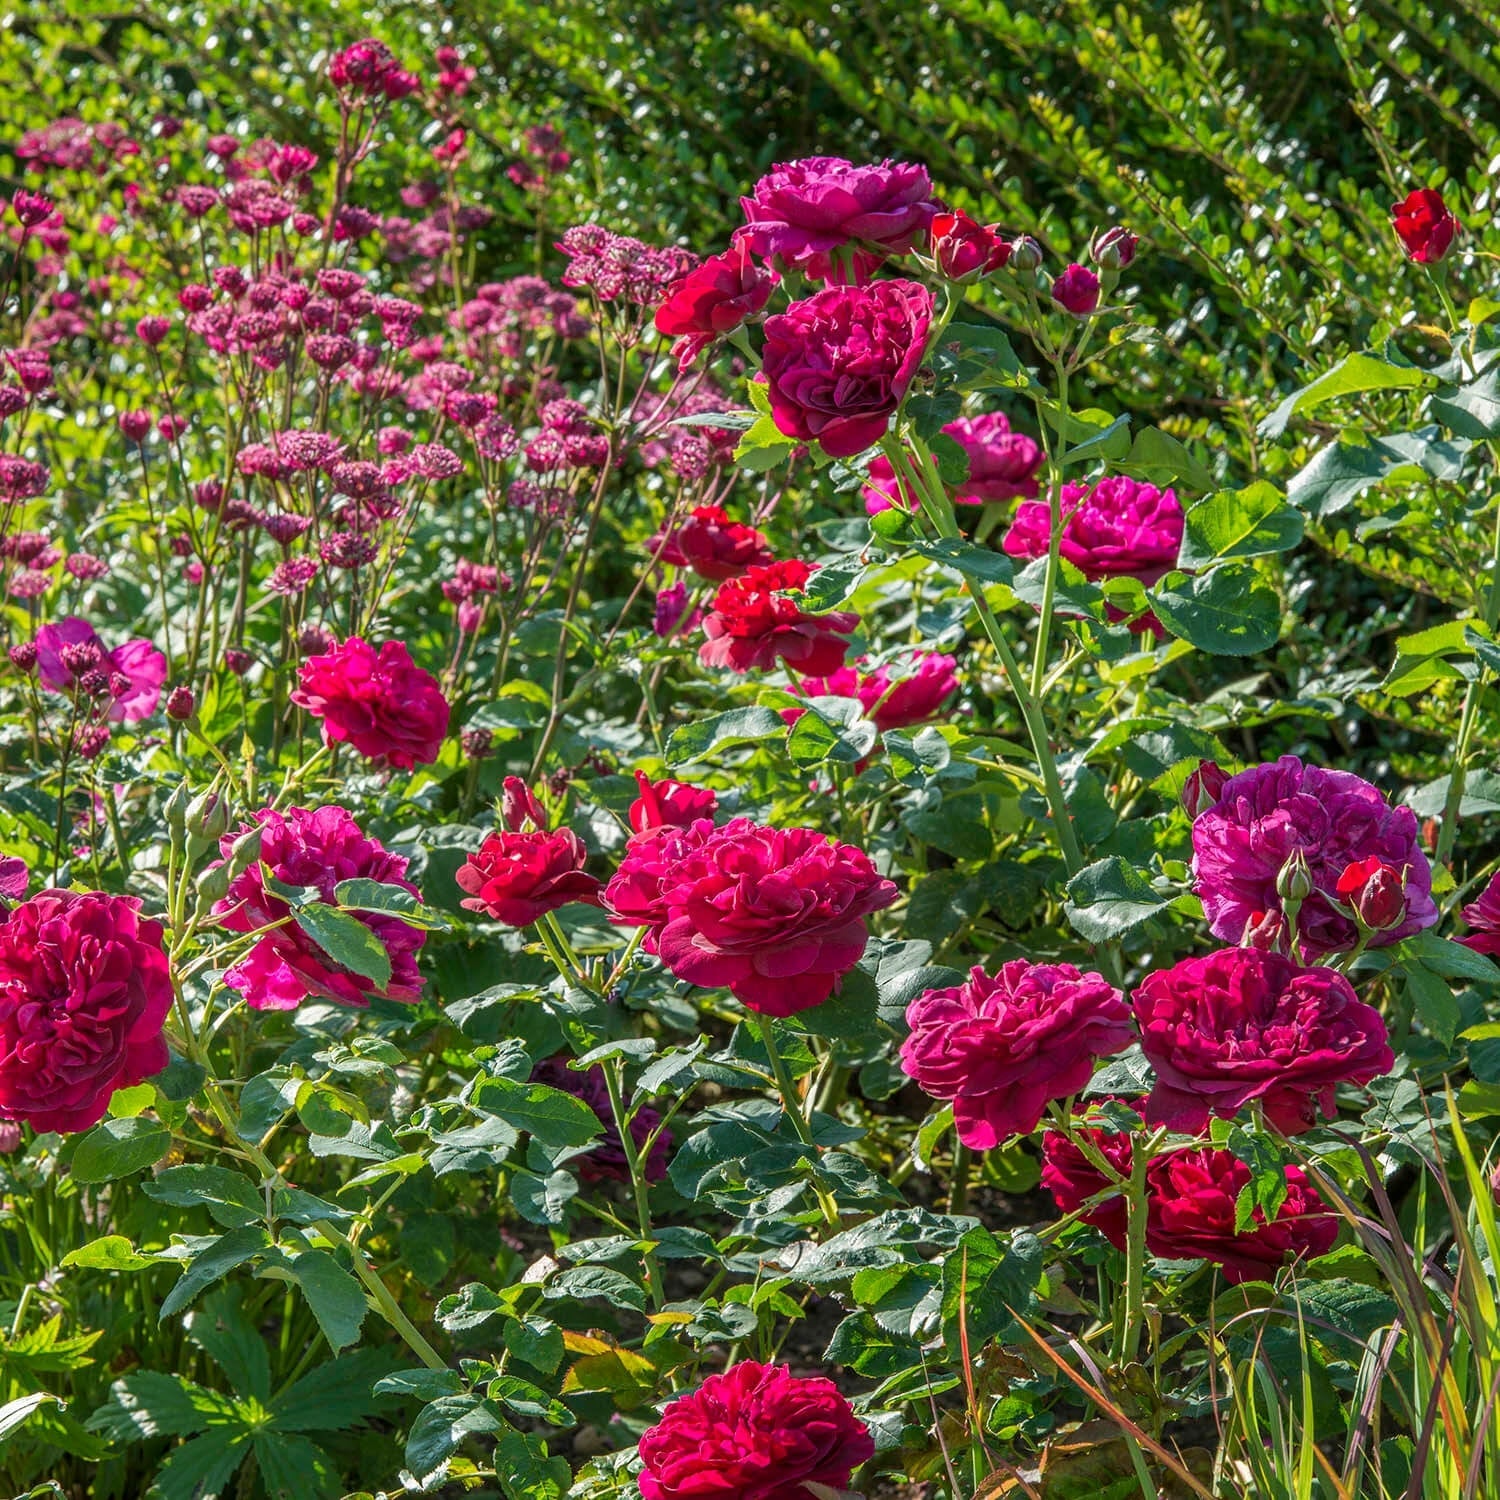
[(604, 1160), (1267, 813), (1375, 890), (1118, 528), (669, 803), (802, 213), (756, 620), (922, 683), (1002, 465), (636, 896), (382, 703), (1483, 915), (713, 299), (1073, 1179), (775, 915), (1076, 291), (1002, 1047), (712, 545), (84, 989), (757, 1432), (1424, 225), (838, 364), (1240, 1025), (316, 848), (964, 250), (516, 877), (1190, 1215)]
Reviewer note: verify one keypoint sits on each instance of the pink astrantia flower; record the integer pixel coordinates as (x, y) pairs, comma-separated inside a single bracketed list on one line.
[(84, 990), (1119, 527), (318, 849), (381, 702), (1003, 465), (833, 220), (838, 364), (1241, 1026), (136, 668), (757, 1432), (1266, 814), (896, 694), (774, 915), (1002, 1047)]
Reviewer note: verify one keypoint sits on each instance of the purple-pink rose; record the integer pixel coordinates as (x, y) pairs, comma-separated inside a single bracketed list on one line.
[(1483, 917), (1241, 1026), (803, 214), (1002, 1047), (136, 669), (1003, 465), (838, 364), (1117, 528), (894, 695), (1334, 818)]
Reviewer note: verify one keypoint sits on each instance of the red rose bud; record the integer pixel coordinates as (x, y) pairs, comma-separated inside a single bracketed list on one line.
[(1025, 253), (1266, 930), (666, 803), (518, 806), (1076, 291), (1202, 788), (1114, 249), (180, 703), (1424, 226), (964, 249), (1376, 891)]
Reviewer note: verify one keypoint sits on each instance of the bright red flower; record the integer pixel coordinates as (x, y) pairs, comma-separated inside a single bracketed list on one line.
[(712, 545), (1376, 891), (715, 298), (756, 621), (669, 804), (517, 877), (965, 249), (1424, 225)]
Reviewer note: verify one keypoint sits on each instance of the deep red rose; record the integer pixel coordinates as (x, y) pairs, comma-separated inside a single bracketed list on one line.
[(667, 803), (774, 915), (834, 220), (838, 364), (314, 849), (1073, 1179), (1424, 225), (1002, 1047), (1076, 291), (1190, 1215), (757, 1432), (712, 545), (382, 703), (1483, 916), (715, 298), (1376, 891), (636, 895), (1242, 1025), (517, 877), (84, 990), (756, 621), (965, 249)]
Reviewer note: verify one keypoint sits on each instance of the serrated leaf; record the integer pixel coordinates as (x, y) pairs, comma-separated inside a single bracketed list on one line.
[(695, 741), (346, 940), (230, 1197), (1355, 374), (1109, 898), (335, 1296), (1240, 523), (216, 1261), (117, 1148), (1228, 612)]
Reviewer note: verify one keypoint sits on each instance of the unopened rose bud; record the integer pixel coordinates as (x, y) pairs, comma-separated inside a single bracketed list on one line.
[(964, 250), (180, 703), (1114, 249), (1375, 891), (1025, 253), (1294, 882), (208, 815), (1267, 931), (518, 806), (23, 656), (1203, 788), (1076, 291)]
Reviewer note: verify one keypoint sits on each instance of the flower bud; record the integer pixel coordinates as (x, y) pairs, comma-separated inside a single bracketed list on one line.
[(1376, 891), (1025, 253), (180, 703), (1114, 249), (1203, 788), (1267, 931), (1425, 226), (208, 815), (1076, 291), (965, 250), (518, 806), (1294, 882)]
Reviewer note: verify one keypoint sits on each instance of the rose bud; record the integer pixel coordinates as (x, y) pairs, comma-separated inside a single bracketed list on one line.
[(1376, 891), (1114, 249), (1294, 881), (1424, 225), (1202, 788), (1266, 930), (1025, 253), (964, 249), (1076, 291), (180, 703)]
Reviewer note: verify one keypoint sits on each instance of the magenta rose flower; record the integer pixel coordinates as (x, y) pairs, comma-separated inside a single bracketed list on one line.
[(84, 990), (1003, 465), (757, 620), (135, 671), (802, 214), (1483, 917), (774, 915), (1118, 528), (668, 803), (1076, 291), (1190, 1215), (317, 848), (712, 545), (1241, 1025), (837, 365), (757, 1432), (896, 694), (384, 705), (1334, 818), (1002, 1047), (636, 896), (713, 299), (604, 1160)]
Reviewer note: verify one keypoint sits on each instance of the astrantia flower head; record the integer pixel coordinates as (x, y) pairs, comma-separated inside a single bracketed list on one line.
[(757, 1432), (1269, 813), (315, 849), (142, 667), (84, 991), (833, 220), (1241, 1026), (1002, 1047), (379, 702), (757, 620)]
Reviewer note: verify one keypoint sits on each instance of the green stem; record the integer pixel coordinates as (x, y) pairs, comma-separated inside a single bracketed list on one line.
[(792, 1107), (1054, 541), (612, 1069)]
